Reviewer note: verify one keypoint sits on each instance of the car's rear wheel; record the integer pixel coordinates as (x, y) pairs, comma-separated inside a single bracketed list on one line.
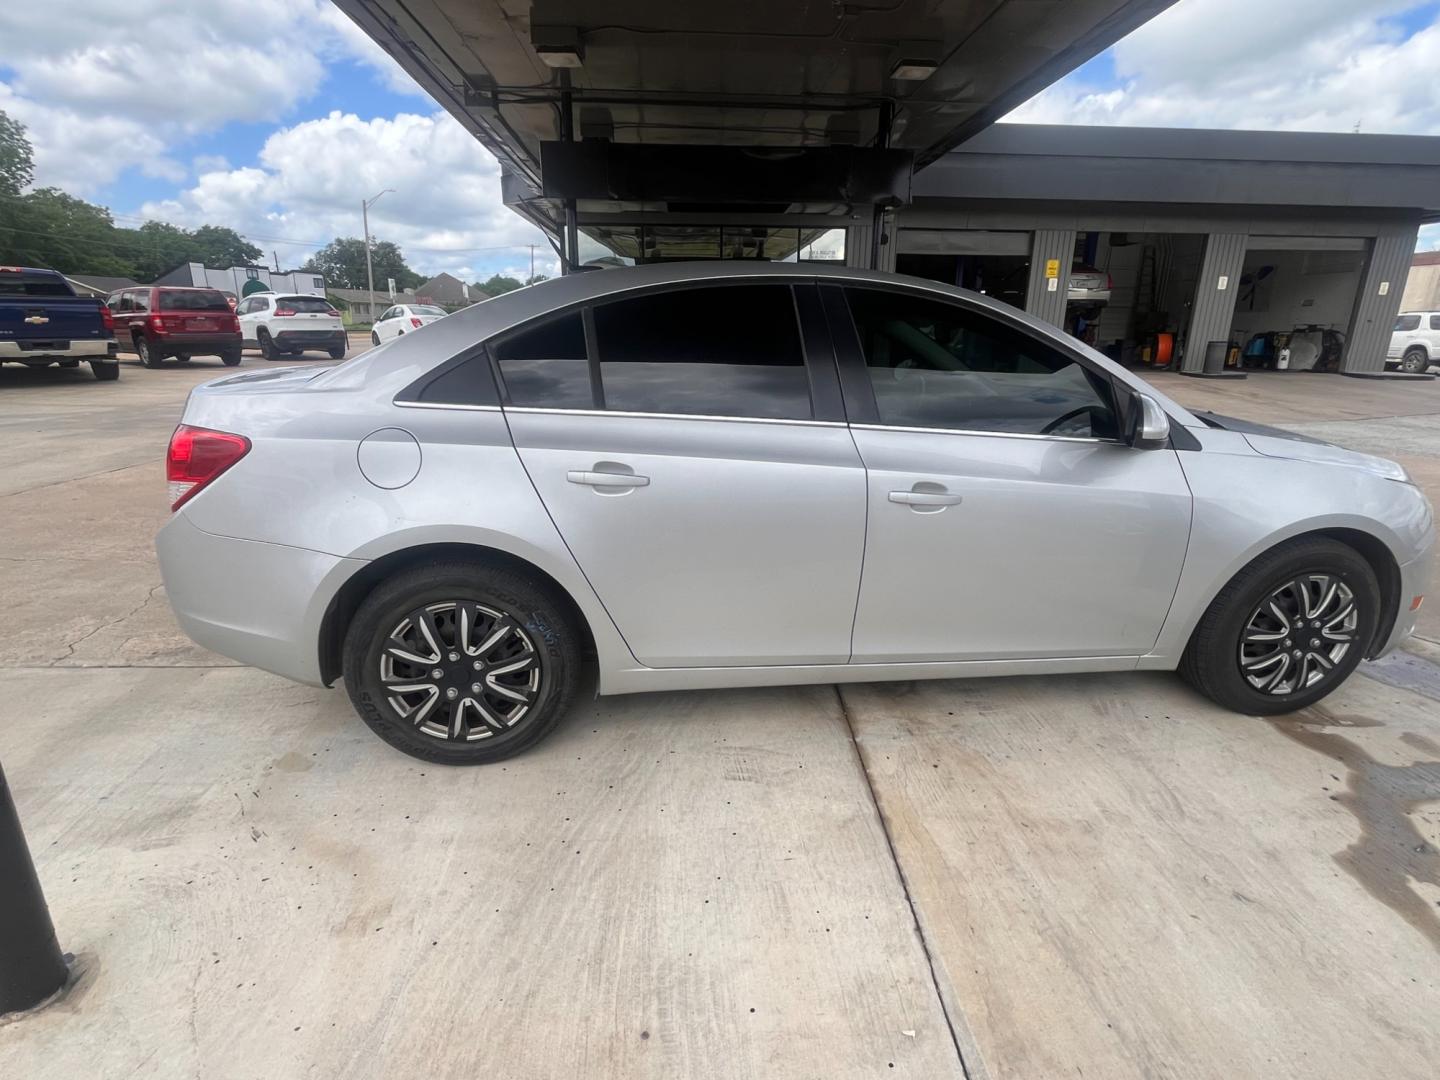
[(1287, 630), (267, 345), (105, 371), (461, 663), (337, 352), (230, 357), (1415, 362), (148, 356)]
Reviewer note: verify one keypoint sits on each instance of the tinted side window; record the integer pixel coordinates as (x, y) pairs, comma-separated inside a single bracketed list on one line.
[(127, 302), (1435, 322), (1407, 322), (142, 300), (722, 351), (939, 365), (467, 383), (546, 366)]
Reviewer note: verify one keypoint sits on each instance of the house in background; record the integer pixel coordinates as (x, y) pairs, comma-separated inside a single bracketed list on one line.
[(98, 285), (1422, 287), (241, 281), (446, 290), (357, 305)]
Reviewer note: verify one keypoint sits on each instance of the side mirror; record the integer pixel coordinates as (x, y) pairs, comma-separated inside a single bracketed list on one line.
[(1149, 426)]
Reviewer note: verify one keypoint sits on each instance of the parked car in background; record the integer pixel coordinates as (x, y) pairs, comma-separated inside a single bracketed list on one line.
[(750, 474), (403, 318), (1088, 285), (43, 322), (289, 324), (1415, 341), (164, 321)]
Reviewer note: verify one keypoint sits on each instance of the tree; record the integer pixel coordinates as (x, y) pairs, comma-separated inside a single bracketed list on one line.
[(222, 247), (537, 279), (342, 261), (496, 285), (17, 162), (58, 231)]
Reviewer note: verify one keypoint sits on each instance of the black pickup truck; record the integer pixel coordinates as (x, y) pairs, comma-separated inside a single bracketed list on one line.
[(43, 322)]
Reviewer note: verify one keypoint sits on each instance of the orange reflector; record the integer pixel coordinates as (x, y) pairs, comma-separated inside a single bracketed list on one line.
[(1415, 604)]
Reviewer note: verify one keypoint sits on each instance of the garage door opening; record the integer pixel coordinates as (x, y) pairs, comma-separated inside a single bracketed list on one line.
[(1295, 300), (996, 264), (1131, 294)]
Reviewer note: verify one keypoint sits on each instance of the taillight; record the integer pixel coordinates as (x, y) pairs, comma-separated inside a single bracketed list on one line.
[(233, 323), (1109, 282), (332, 313), (107, 319), (415, 322), (197, 456), (281, 312), (157, 323)]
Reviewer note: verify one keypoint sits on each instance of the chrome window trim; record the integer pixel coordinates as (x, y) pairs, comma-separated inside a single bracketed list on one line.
[(444, 405), (990, 434), (540, 411)]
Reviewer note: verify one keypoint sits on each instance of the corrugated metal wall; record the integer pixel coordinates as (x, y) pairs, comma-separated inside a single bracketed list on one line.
[(1214, 309), (1381, 290), (1040, 300)]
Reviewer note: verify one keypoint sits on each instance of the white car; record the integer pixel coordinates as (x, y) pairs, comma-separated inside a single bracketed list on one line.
[(1415, 341), (1088, 285), (402, 318), (288, 324)]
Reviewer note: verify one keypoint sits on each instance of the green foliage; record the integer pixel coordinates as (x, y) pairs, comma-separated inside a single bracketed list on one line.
[(17, 163), (46, 227), (342, 261), (495, 285)]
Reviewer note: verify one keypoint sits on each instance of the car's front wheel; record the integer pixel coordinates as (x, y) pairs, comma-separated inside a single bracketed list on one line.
[(374, 338), (1415, 362), (1287, 630), (461, 663)]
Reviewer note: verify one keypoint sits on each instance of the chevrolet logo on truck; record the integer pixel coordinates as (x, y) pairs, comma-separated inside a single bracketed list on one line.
[(37, 320)]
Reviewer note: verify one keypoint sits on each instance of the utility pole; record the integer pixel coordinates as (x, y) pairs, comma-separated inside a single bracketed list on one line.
[(365, 205), (532, 265), (276, 256)]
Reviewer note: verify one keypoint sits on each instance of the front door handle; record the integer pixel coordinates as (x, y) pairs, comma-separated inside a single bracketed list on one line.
[(926, 498), (606, 479)]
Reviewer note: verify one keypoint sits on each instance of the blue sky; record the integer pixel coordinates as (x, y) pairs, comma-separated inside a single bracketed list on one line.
[(276, 117)]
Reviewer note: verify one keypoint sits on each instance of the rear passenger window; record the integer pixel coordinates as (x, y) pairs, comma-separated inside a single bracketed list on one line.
[(720, 351), (142, 300), (546, 366), (1435, 322)]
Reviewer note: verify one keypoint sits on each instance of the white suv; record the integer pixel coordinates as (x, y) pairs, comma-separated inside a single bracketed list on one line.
[(1415, 342), (401, 319), (285, 324)]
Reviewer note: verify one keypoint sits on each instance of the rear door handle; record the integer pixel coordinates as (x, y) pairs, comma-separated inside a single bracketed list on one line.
[(606, 479), (925, 498)]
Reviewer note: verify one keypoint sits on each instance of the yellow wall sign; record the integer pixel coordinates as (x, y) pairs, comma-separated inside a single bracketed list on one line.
[(1052, 268)]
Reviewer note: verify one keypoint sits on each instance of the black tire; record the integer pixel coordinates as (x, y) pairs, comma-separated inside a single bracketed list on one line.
[(105, 372), (541, 618), (1415, 362), (148, 356), (267, 346), (230, 357), (374, 338), (1211, 663), (337, 352), (183, 357)]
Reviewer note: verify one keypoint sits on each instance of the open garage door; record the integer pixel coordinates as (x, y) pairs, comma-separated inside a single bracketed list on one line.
[(991, 262), (1130, 294), (1295, 301)]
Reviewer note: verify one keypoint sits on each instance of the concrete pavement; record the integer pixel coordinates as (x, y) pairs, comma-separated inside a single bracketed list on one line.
[(1101, 876)]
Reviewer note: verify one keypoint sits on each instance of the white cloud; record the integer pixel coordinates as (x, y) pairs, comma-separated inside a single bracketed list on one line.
[(100, 95), (1316, 65), (445, 212)]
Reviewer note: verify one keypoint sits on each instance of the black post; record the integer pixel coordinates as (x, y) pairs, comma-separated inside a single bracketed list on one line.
[(571, 244), (883, 124), (31, 967)]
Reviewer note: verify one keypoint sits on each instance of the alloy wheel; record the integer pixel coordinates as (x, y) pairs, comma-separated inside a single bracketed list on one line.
[(1299, 634), (460, 671)]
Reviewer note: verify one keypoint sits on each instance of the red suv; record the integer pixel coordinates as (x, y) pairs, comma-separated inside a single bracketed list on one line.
[(161, 321)]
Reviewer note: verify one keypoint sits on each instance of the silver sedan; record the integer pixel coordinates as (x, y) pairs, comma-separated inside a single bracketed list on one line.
[(737, 475)]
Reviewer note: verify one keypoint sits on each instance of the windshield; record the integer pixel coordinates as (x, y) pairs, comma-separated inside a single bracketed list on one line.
[(1407, 322), (193, 300), (427, 309), (306, 304)]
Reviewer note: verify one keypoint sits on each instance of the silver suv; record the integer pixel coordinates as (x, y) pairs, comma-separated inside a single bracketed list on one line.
[(734, 475)]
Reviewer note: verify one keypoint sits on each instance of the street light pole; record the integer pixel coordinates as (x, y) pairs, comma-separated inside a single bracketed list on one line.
[(365, 205)]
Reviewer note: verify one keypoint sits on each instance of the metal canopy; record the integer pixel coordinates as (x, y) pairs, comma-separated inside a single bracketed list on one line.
[(745, 72)]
